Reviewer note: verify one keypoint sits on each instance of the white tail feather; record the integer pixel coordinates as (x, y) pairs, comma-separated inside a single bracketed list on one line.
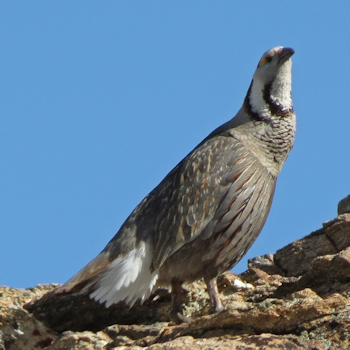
[(126, 278)]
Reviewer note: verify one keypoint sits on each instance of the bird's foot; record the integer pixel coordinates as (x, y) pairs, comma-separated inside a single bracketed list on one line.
[(212, 287), (216, 309), (179, 318)]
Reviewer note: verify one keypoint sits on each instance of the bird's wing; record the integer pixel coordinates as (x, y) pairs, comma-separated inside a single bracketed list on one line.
[(241, 215), (189, 201)]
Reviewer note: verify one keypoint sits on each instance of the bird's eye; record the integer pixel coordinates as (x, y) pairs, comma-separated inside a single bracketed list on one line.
[(265, 60)]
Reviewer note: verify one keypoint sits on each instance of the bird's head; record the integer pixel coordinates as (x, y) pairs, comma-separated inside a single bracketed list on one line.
[(270, 90)]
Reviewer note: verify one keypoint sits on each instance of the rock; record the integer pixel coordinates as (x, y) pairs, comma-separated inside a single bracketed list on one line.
[(18, 328), (93, 316), (81, 340), (337, 231), (295, 258), (294, 299), (250, 342), (325, 271), (265, 263), (344, 206)]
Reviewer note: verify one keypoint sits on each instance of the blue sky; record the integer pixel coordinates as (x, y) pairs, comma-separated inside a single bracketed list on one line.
[(100, 100)]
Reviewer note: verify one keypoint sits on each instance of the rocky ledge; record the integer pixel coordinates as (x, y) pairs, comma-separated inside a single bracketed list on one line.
[(297, 298)]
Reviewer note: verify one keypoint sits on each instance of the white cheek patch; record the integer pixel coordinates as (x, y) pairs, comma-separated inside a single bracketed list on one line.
[(126, 278), (257, 102), (280, 93)]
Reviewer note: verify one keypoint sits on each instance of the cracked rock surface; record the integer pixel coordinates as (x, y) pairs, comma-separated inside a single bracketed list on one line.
[(298, 298)]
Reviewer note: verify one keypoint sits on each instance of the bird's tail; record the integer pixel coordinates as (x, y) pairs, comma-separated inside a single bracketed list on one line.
[(127, 278)]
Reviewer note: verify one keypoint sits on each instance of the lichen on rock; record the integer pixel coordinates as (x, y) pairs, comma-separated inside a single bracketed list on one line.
[(297, 298)]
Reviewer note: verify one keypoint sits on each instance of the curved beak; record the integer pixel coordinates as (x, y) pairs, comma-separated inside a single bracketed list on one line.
[(285, 54)]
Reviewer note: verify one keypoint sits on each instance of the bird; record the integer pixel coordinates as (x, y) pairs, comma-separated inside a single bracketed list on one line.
[(207, 212)]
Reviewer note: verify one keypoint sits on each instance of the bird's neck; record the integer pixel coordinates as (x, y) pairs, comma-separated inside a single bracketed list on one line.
[(280, 92), (265, 101), (269, 112)]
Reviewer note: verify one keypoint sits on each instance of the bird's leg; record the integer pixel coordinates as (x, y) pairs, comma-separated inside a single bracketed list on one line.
[(212, 288), (176, 314), (176, 305)]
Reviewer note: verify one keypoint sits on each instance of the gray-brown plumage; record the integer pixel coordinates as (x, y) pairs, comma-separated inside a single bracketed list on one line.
[(207, 212)]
